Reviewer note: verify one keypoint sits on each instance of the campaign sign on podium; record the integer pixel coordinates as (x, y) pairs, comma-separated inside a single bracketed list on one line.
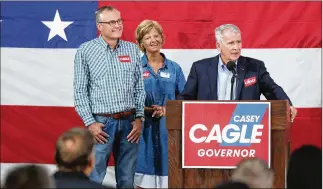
[(221, 134)]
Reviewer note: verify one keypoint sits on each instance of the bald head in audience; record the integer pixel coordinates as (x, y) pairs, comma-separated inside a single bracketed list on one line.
[(74, 151), (255, 173), (28, 176), (75, 159)]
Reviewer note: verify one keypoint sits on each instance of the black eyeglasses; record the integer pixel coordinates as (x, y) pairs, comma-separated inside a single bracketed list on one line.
[(113, 22)]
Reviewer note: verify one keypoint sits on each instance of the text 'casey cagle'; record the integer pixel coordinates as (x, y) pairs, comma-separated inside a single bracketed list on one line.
[(231, 133)]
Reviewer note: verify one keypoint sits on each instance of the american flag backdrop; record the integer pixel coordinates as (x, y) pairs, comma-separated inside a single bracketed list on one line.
[(39, 42)]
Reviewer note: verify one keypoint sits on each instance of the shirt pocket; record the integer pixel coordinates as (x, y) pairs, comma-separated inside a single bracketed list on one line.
[(97, 68), (148, 84), (168, 86), (128, 77), (98, 76)]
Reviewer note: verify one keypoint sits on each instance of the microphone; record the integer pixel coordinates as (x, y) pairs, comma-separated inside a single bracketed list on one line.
[(232, 67)]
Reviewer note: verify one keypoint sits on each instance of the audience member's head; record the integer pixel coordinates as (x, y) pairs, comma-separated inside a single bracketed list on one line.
[(74, 151), (305, 168), (28, 176), (232, 185), (255, 173)]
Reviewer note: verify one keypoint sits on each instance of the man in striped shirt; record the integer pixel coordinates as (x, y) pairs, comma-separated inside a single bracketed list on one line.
[(109, 96)]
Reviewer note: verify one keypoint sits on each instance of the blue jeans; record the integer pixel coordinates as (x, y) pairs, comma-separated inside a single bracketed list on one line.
[(124, 152)]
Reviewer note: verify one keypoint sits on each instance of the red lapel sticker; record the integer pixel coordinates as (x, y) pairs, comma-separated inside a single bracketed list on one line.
[(250, 81), (124, 58), (146, 74)]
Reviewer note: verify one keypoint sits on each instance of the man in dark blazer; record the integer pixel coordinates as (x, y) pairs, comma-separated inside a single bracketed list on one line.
[(210, 79), (75, 159)]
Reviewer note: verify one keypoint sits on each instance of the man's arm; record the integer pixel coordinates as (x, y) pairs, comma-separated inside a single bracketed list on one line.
[(190, 89), (81, 96), (269, 88), (139, 91)]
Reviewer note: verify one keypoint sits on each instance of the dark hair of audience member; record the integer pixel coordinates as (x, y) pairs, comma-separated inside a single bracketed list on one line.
[(305, 168), (232, 185), (28, 176)]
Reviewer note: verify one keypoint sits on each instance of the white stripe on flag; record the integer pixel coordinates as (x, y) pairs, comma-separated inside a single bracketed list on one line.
[(44, 77)]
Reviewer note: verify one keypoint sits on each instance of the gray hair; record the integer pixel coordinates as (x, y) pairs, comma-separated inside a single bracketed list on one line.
[(255, 173), (225, 27), (102, 9)]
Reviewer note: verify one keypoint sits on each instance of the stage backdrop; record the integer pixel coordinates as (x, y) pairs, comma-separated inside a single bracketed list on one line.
[(39, 41)]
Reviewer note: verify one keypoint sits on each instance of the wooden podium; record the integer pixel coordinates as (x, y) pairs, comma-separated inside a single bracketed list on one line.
[(209, 178)]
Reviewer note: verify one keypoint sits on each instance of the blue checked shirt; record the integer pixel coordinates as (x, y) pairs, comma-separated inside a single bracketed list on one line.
[(107, 80)]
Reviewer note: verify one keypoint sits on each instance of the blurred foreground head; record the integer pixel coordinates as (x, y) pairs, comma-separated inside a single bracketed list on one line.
[(305, 168), (74, 151), (255, 173), (232, 185), (29, 176)]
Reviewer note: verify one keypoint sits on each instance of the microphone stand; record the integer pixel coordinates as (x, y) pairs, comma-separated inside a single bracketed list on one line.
[(232, 83)]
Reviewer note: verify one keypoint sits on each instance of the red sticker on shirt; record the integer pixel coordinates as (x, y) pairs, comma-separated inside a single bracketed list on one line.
[(124, 58), (146, 74), (250, 81)]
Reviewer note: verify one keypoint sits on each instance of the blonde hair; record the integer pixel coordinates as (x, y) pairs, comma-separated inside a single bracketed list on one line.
[(145, 27)]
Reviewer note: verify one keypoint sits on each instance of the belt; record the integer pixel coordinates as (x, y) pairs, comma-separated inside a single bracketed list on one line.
[(119, 115)]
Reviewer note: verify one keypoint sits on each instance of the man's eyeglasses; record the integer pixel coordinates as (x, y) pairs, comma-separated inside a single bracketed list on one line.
[(112, 23)]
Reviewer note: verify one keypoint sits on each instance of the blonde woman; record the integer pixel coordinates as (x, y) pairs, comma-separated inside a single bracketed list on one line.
[(163, 80)]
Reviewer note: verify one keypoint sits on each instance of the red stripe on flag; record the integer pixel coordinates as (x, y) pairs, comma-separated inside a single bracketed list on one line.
[(190, 25), (29, 133), (307, 128)]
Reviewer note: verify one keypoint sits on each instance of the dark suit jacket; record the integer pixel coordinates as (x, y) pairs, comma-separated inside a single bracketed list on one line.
[(202, 81), (74, 180)]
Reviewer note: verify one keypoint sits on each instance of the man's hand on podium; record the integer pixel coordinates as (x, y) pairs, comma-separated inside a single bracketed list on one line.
[(293, 113)]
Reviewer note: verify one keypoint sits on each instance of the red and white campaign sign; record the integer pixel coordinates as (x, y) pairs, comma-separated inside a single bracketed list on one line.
[(124, 59), (146, 74), (221, 134), (250, 81)]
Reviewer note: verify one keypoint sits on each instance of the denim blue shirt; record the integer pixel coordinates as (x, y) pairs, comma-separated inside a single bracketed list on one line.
[(165, 85), (224, 82)]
